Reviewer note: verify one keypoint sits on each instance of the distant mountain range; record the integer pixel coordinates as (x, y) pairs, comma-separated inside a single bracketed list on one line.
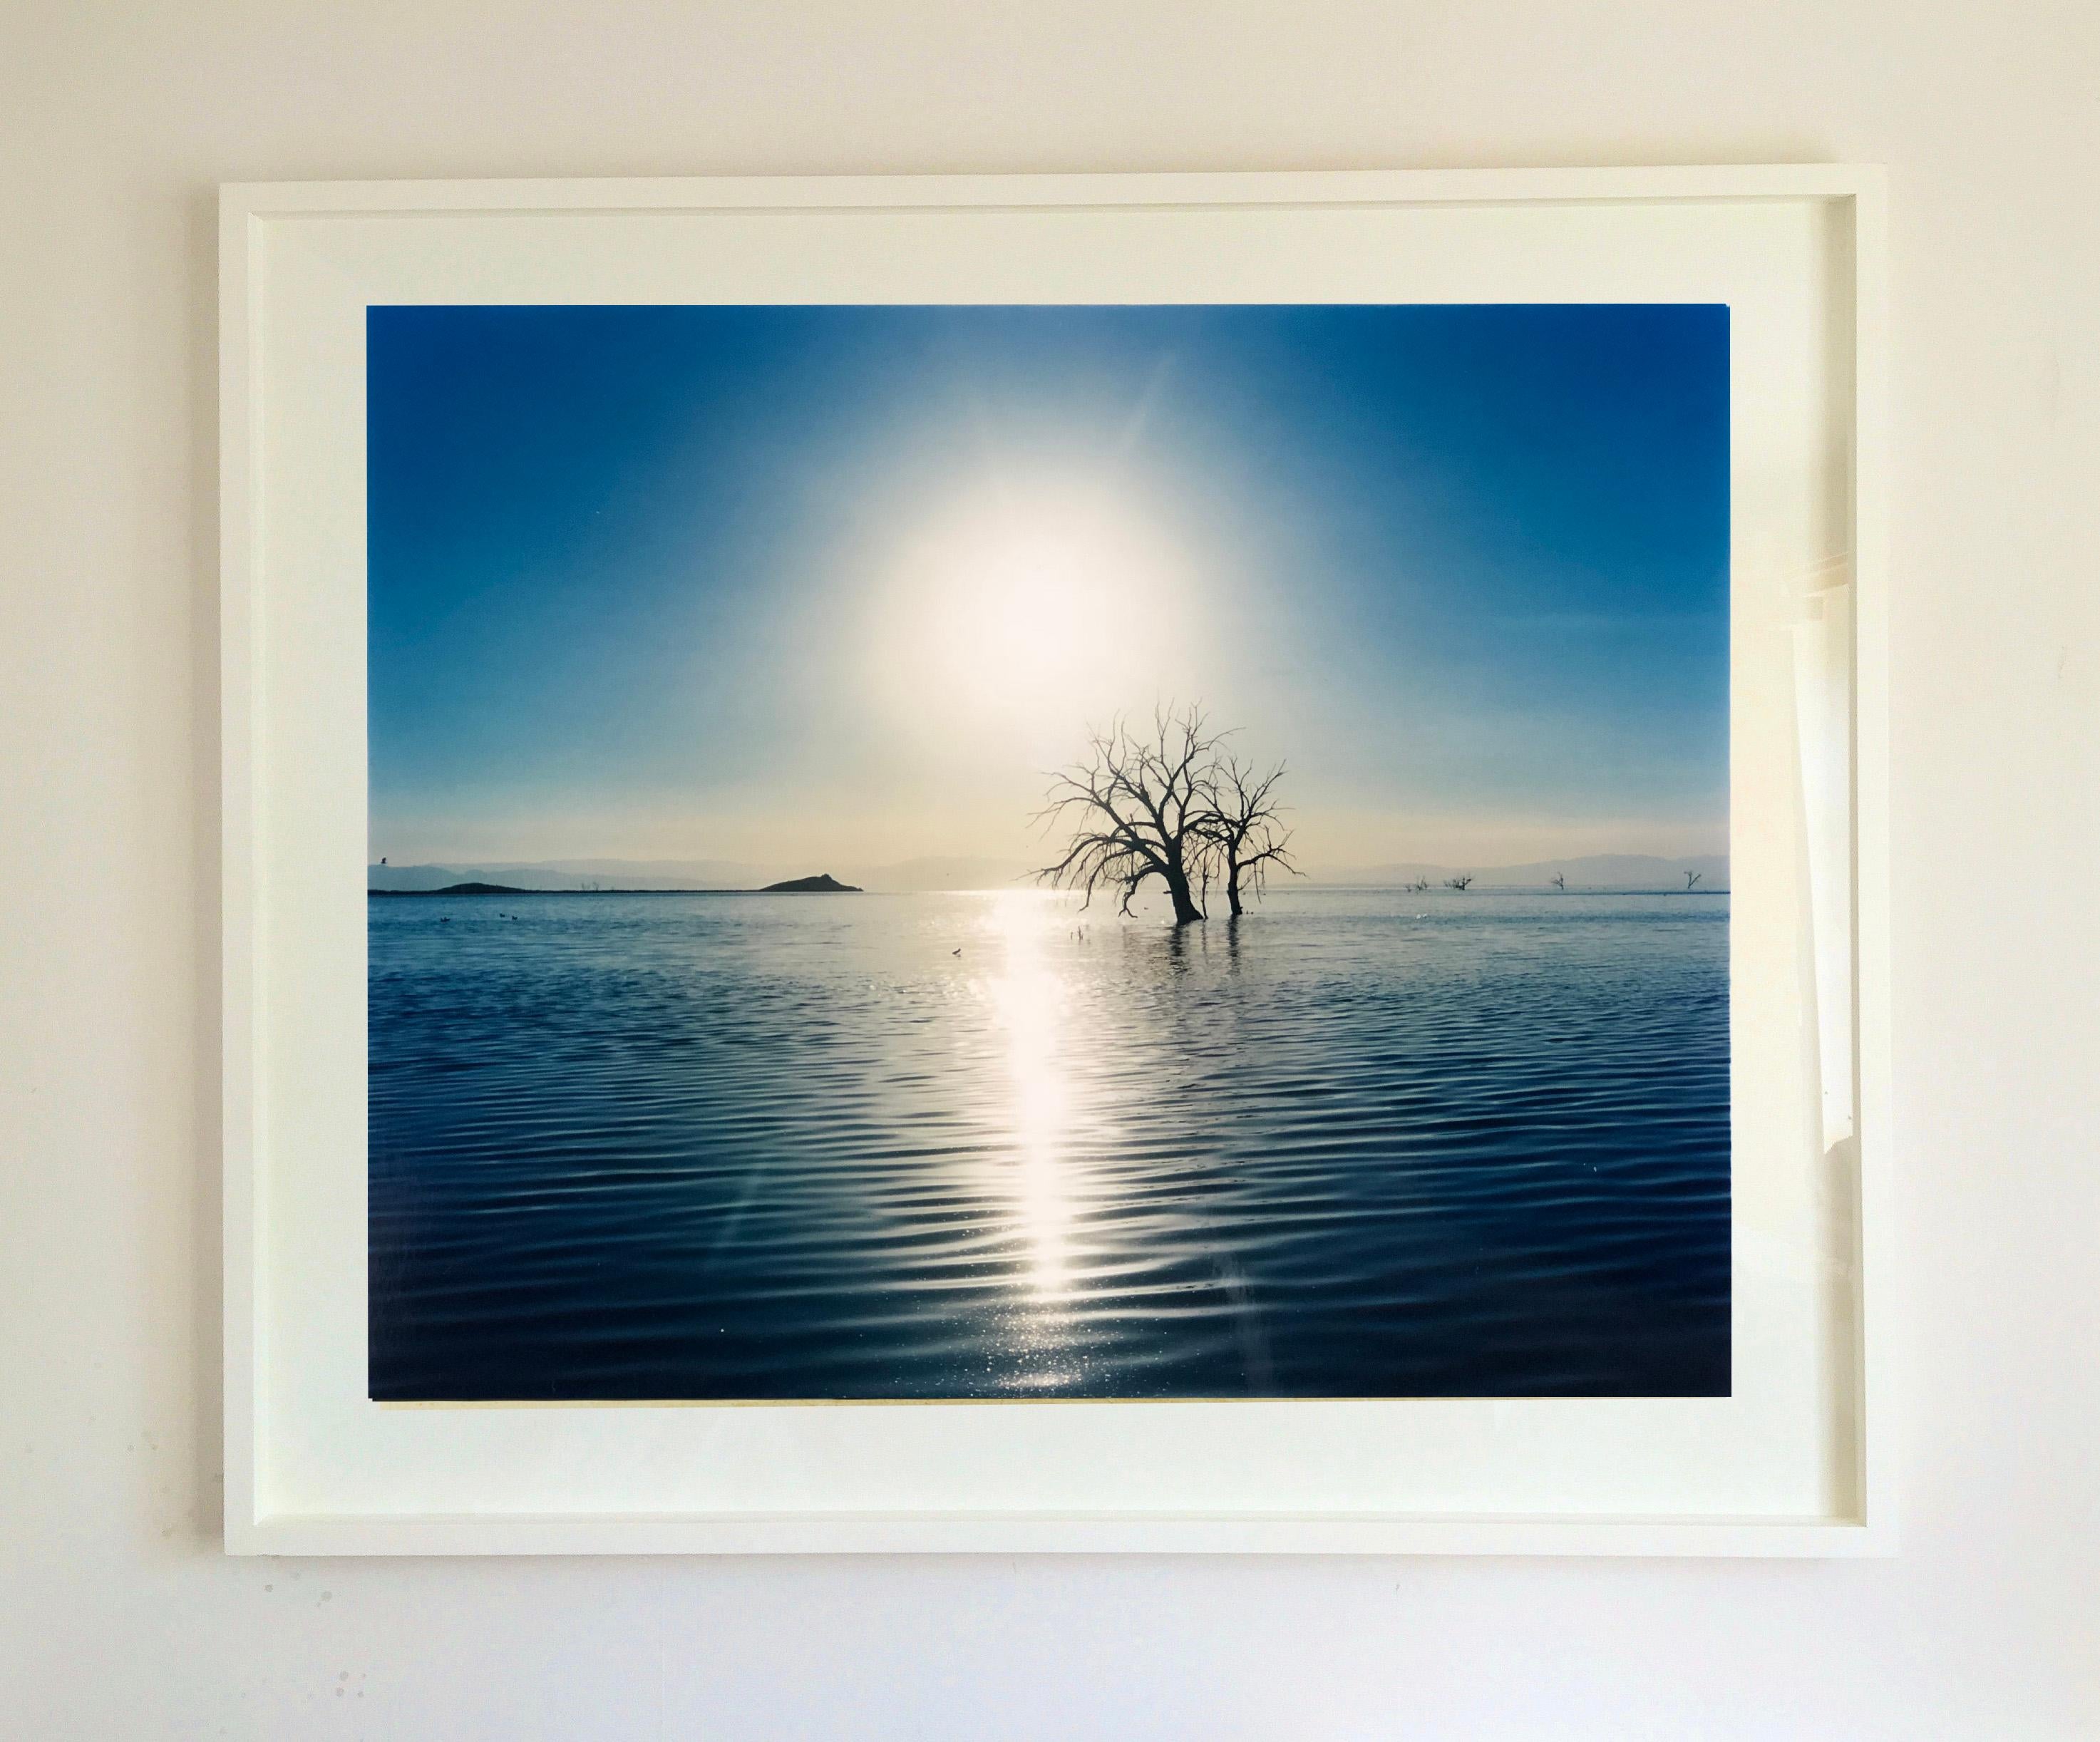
[(1600, 870)]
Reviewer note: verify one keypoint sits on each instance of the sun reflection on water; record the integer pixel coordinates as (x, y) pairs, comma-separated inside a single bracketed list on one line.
[(1028, 1000)]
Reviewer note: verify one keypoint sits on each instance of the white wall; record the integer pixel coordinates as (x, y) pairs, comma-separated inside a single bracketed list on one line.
[(118, 1617)]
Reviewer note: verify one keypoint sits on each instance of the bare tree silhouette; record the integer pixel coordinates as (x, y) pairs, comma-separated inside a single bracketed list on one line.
[(1691, 880), (1559, 881), (1420, 886), (1137, 807), (1460, 883), (1241, 824)]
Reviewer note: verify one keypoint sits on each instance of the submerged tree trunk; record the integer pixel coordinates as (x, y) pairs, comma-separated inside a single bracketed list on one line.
[(1186, 910), (1233, 887)]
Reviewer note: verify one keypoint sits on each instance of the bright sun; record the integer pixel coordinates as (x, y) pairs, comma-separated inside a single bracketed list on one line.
[(1015, 603), (1035, 610)]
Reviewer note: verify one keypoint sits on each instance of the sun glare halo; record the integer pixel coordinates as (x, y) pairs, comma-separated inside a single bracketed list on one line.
[(1029, 611)]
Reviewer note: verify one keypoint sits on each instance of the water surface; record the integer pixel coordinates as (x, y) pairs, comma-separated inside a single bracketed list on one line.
[(1362, 1143)]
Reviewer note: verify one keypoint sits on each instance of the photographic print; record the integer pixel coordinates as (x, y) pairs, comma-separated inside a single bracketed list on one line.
[(1035, 852)]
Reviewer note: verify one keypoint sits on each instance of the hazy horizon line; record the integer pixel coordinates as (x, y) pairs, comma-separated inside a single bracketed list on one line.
[(960, 870), (924, 858)]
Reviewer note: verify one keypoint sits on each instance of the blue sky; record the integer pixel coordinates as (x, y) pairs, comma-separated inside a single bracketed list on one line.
[(836, 585)]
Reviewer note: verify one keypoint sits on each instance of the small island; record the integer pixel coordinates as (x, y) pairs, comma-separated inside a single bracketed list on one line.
[(822, 884)]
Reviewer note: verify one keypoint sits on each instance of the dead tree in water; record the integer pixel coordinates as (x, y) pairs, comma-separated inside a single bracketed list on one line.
[(1560, 882), (1460, 883), (1691, 880), (1242, 829), (1137, 808)]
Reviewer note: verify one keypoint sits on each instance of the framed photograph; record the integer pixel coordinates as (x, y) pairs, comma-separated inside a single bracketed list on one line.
[(1176, 862)]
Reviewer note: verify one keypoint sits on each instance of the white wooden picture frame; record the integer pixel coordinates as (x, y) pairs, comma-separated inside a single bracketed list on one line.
[(1799, 1461)]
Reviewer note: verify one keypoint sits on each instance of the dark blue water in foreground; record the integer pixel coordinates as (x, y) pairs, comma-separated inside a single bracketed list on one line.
[(1362, 1144)]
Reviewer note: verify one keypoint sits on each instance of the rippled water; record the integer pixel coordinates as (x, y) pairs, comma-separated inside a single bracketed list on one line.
[(1359, 1143)]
